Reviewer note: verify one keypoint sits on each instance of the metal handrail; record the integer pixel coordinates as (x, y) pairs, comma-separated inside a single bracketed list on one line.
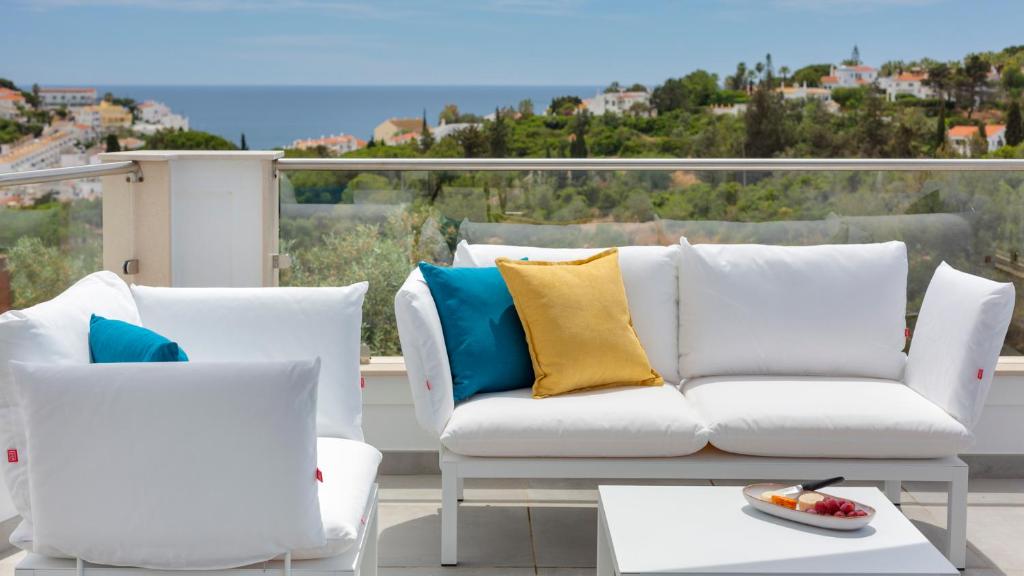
[(654, 164), (70, 173)]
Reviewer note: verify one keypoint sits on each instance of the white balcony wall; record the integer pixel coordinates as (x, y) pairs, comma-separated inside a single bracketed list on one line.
[(196, 218)]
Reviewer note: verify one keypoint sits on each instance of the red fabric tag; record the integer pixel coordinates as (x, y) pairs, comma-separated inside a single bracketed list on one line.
[(981, 372), (319, 475), (12, 456), (429, 387), (362, 382), (906, 332)]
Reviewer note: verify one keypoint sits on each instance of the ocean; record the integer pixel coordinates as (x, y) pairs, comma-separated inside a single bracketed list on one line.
[(274, 116)]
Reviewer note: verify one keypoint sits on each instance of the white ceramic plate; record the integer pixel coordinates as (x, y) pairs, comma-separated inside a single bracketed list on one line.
[(753, 495)]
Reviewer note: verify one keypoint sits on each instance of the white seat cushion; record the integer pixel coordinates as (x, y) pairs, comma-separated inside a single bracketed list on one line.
[(349, 469), (648, 274), (823, 417), (615, 422)]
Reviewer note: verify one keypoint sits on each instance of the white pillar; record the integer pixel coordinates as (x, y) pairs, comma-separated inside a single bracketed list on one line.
[(197, 218)]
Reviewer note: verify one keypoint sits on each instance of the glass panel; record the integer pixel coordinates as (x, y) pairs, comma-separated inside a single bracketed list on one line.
[(50, 236), (341, 227)]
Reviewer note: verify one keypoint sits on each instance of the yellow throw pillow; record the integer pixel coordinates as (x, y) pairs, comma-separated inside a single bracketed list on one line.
[(577, 324)]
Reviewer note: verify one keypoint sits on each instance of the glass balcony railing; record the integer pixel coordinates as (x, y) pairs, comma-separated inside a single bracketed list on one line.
[(50, 236), (341, 224)]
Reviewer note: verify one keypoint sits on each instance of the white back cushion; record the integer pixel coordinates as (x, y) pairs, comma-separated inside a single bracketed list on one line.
[(957, 340), (648, 273), (831, 310), (53, 332), (172, 465), (239, 324), (426, 356)]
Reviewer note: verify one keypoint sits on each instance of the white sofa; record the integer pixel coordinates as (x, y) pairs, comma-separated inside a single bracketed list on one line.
[(117, 494), (779, 362)]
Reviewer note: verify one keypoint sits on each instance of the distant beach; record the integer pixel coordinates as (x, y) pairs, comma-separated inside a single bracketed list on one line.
[(274, 116)]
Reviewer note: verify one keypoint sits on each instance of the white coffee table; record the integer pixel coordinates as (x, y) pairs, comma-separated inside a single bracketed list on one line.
[(712, 530)]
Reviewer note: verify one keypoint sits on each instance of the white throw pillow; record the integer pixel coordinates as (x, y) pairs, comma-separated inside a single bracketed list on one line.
[(172, 465), (240, 324), (957, 340), (53, 332), (648, 274), (830, 310)]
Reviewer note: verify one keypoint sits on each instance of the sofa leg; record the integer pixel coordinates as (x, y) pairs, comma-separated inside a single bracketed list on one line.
[(449, 516), (956, 519), (368, 565), (462, 489), (893, 491)]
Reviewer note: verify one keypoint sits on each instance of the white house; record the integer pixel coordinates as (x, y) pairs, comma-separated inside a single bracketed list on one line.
[(339, 144), (620, 102), (151, 111), (156, 116), (960, 137), (849, 76), (444, 129), (913, 83), (57, 97), (43, 152), (804, 92), (10, 102)]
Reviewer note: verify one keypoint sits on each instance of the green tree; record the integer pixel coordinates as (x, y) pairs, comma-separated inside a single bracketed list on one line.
[(940, 79), (449, 114), (613, 87), (939, 139), (564, 105), (766, 129), (472, 141), (426, 137), (972, 81), (854, 59), (525, 108), (1014, 125), (578, 144), (242, 144), (811, 74), (113, 145), (694, 90), (872, 127), (738, 80), (498, 135), (187, 140)]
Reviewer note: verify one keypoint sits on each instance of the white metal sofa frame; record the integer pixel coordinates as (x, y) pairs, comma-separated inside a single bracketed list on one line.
[(710, 464), (359, 560)]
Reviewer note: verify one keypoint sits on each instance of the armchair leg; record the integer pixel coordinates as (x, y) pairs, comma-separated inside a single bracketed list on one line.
[(449, 515), (368, 565), (956, 518), (462, 489), (893, 489)]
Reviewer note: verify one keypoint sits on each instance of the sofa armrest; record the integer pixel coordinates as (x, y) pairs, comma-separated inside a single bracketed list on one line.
[(959, 335), (426, 358)]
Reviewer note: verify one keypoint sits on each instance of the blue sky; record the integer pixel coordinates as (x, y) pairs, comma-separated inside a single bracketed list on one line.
[(542, 42)]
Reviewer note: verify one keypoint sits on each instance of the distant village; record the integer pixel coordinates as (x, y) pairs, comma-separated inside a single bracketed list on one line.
[(76, 135), (902, 84)]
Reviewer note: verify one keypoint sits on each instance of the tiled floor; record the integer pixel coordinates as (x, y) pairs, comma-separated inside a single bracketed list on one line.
[(533, 527)]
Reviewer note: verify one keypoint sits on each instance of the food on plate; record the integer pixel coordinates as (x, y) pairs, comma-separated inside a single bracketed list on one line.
[(784, 501), (807, 500), (829, 506)]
